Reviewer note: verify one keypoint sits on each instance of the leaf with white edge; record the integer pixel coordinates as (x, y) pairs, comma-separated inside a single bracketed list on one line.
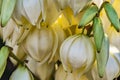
[(21, 73), (4, 52)]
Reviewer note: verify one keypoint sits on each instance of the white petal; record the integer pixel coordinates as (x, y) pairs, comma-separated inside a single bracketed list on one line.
[(98, 2), (39, 44), (32, 9), (115, 52), (78, 5), (55, 46), (18, 31), (8, 29), (52, 12), (90, 52), (61, 37), (62, 3), (43, 4), (76, 54), (112, 68), (64, 52), (21, 73), (42, 71), (19, 12), (45, 71), (62, 75)]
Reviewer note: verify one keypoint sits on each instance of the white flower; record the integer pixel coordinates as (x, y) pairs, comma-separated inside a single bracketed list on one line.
[(77, 54), (27, 10), (41, 44)]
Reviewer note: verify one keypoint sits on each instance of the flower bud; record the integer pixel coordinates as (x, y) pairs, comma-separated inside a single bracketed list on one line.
[(41, 44), (77, 53)]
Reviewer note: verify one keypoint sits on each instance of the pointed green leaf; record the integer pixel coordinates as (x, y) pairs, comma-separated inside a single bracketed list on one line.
[(4, 52), (88, 15), (102, 57), (98, 33), (7, 10), (112, 15)]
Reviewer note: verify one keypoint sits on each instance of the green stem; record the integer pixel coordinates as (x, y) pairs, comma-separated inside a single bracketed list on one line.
[(83, 30), (91, 35), (35, 77), (14, 57), (101, 7), (89, 29), (21, 62)]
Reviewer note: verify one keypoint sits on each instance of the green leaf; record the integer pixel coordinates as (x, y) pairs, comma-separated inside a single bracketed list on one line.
[(0, 9), (4, 52), (88, 16), (98, 33), (7, 10), (102, 57), (112, 15), (0, 5)]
